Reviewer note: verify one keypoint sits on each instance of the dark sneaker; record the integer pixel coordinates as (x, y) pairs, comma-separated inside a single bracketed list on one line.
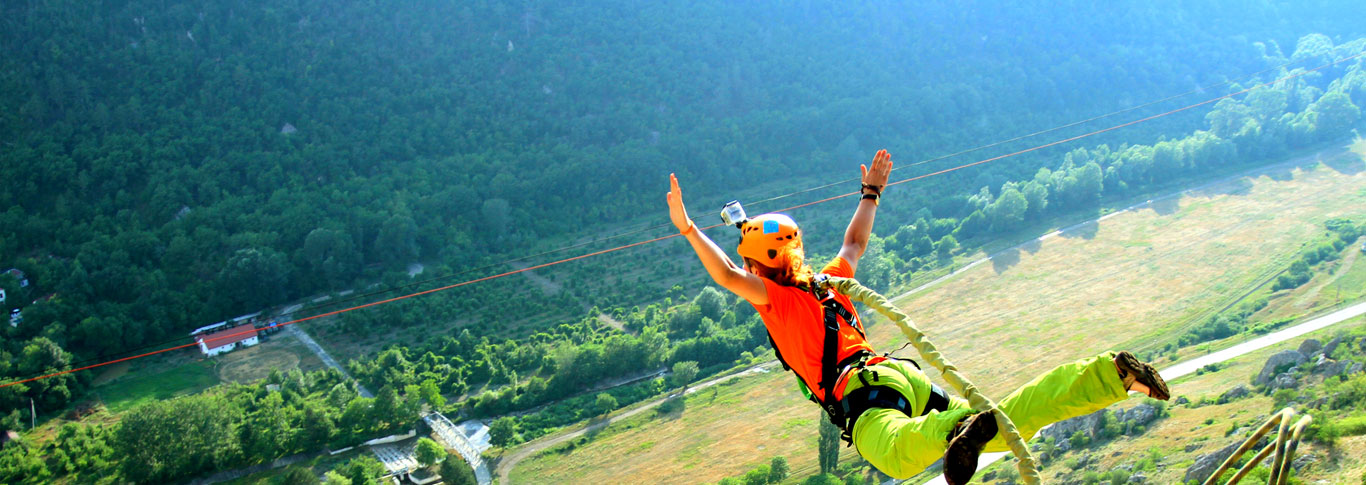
[(1132, 370), (965, 445)]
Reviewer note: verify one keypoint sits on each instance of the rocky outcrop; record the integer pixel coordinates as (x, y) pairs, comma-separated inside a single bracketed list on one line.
[(1285, 381), (1310, 346), (1235, 393), (1277, 364), (1332, 346), (1205, 464)]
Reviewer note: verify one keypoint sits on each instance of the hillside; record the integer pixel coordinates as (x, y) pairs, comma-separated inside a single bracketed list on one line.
[(167, 166), (1032, 307)]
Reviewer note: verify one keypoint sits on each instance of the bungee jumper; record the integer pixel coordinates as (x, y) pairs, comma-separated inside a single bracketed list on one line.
[(885, 406)]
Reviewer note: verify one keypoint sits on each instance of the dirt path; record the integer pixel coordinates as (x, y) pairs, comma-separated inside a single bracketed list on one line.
[(508, 462), (547, 285), (612, 322)]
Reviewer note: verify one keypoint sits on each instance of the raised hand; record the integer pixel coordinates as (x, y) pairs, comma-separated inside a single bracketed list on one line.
[(678, 214), (876, 177)]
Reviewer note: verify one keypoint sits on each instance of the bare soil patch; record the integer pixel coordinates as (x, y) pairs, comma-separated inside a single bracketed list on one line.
[(255, 362)]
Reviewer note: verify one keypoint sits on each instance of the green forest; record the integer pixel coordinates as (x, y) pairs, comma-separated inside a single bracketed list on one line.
[(167, 165)]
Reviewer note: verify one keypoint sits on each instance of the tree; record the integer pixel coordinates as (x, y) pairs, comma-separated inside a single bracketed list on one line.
[(710, 302), (429, 452), (1008, 211), (432, 393), (363, 470), (295, 475), (254, 278), (456, 472), (167, 440), (1334, 114), (758, 476), (396, 243), (683, 373), (605, 403), (777, 470), (503, 432), (828, 445)]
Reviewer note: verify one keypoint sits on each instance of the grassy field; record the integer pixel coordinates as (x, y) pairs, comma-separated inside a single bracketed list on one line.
[(142, 387), (1136, 280)]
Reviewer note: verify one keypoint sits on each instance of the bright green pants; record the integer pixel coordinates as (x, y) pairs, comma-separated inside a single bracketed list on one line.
[(902, 446)]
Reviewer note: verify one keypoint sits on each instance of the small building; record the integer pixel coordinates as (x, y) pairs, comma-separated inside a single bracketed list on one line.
[(2, 295), (18, 275), (226, 339), (208, 328), (16, 317)]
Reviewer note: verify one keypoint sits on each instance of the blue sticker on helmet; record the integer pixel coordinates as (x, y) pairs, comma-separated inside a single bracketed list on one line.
[(770, 227)]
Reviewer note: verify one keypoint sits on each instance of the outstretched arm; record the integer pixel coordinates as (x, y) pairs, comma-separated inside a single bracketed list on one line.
[(718, 264), (856, 236)]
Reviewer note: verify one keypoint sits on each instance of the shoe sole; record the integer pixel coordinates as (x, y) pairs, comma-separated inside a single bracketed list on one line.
[(1144, 374), (960, 460)]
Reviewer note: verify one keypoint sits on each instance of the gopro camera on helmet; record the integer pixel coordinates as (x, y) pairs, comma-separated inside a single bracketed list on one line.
[(732, 214)]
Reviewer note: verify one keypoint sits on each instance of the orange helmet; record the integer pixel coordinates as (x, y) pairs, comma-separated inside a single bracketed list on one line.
[(764, 238)]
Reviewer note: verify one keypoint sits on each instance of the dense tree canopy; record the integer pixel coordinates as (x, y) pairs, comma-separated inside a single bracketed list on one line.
[(169, 166)]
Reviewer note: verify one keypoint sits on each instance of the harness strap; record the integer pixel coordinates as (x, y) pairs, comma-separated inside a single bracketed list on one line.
[(862, 399)]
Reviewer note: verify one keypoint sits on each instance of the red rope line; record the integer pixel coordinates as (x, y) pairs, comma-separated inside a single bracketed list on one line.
[(661, 238)]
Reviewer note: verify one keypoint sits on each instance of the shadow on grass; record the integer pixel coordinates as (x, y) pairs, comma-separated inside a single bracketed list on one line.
[(1086, 230), (1346, 163), (672, 408), (1166, 206), (1239, 186), (1004, 260)]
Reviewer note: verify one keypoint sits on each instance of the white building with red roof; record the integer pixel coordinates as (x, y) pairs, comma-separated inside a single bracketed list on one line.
[(225, 339)]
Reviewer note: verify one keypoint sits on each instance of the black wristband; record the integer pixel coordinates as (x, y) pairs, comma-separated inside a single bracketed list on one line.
[(877, 189), (872, 197)]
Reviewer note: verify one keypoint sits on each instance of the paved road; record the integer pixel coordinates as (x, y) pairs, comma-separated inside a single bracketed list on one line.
[(1190, 366), (300, 334)]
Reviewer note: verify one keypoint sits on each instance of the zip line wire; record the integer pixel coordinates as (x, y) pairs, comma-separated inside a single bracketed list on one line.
[(661, 238), (362, 296), (1050, 130)]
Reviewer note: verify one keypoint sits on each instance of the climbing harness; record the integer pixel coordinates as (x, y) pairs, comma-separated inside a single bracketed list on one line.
[(843, 412), (1028, 467)]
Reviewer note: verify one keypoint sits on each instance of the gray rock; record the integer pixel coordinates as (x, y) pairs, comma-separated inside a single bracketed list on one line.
[(1318, 403), (1303, 460), (1181, 400), (1355, 368), (1332, 346), (1205, 464), (1192, 447), (1285, 381), (1278, 363), (1063, 430), (1331, 367), (1310, 346), (1361, 344), (1138, 477), (1141, 414), (1235, 393)]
